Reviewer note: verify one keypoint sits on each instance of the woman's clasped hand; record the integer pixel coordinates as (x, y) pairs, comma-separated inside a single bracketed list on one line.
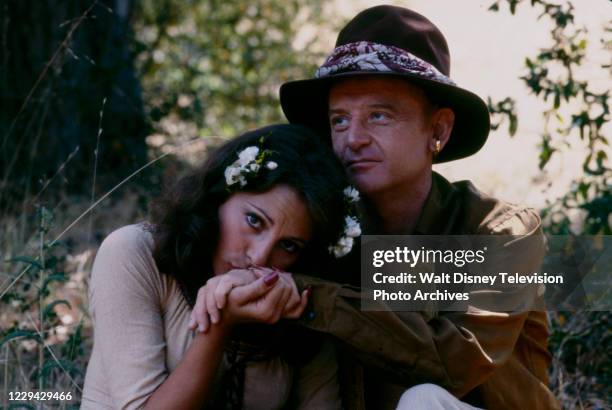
[(257, 294)]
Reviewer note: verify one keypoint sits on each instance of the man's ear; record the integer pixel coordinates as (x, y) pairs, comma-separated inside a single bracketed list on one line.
[(443, 120)]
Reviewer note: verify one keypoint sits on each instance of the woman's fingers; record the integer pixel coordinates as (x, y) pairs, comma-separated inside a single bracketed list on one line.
[(223, 289), (200, 312), (192, 322), (261, 271), (265, 309), (230, 280), (211, 305), (254, 290)]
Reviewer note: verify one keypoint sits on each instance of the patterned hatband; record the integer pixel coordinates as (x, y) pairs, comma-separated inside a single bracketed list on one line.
[(373, 57)]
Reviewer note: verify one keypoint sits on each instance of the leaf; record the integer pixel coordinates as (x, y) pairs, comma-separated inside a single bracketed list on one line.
[(601, 155), (16, 334), (583, 189), (513, 6), (494, 7), (28, 260), (513, 125), (49, 308), (546, 152), (56, 277), (61, 364)]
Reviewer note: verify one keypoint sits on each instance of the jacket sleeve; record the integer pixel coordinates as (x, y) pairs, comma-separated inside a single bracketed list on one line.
[(456, 350)]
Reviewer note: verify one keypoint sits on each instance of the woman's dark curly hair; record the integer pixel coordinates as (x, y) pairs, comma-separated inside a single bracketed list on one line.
[(185, 219)]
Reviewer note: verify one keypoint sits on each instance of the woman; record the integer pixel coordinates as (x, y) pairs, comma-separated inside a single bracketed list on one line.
[(269, 200)]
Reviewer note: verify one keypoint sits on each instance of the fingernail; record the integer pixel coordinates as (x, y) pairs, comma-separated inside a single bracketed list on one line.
[(201, 328), (271, 278)]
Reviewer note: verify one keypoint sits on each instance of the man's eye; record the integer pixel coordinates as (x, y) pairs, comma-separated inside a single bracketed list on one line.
[(379, 116), (289, 246), (339, 121), (253, 220)]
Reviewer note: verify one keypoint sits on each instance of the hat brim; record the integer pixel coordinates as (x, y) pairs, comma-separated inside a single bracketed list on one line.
[(306, 102)]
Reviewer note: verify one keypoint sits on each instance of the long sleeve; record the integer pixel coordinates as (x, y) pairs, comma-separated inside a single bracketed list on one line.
[(125, 302), (456, 350)]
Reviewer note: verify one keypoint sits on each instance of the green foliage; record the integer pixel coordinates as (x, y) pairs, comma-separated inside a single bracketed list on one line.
[(501, 110), (35, 350), (588, 111), (218, 64), (12, 334), (581, 342)]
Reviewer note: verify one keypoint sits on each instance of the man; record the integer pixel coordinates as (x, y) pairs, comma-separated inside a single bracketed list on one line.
[(385, 97)]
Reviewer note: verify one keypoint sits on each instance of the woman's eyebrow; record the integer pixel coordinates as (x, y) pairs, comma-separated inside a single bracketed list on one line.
[(270, 220), (295, 239)]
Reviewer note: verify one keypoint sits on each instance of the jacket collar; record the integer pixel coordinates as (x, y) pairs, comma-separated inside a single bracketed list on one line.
[(441, 208)]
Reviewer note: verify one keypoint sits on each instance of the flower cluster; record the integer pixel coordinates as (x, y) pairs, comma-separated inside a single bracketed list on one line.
[(249, 161), (352, 229), (351, 194)]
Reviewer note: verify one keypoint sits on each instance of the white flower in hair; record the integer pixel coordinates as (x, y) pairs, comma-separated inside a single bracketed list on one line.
[(249, 162), (351, 193), (247, 155), (352, 229), (343, 247), (232, 175)]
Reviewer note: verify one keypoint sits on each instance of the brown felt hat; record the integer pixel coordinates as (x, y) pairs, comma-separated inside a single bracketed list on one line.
[(392, 41)]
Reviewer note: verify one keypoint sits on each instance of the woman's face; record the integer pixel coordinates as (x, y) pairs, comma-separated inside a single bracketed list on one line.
[(261, 229)]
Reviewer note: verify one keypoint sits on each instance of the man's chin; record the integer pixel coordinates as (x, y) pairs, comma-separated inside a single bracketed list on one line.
[(366, 184)]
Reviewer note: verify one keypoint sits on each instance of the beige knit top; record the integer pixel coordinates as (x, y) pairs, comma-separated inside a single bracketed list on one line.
[(140, 323)]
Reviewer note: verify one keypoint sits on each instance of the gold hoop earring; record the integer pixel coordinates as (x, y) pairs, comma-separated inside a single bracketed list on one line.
[(437, 147)]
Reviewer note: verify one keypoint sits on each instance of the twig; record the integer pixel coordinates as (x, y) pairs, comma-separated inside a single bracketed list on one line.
[(43, 74), (95, 170)]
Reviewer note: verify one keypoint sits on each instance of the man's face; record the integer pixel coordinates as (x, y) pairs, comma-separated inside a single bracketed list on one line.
[(381, 130)]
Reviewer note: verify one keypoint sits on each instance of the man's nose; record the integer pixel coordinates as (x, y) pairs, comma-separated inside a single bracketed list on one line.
[(259, 252), (357, 136)]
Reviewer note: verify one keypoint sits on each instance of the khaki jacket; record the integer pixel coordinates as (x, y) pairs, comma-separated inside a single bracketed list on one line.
[(495, 360)]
